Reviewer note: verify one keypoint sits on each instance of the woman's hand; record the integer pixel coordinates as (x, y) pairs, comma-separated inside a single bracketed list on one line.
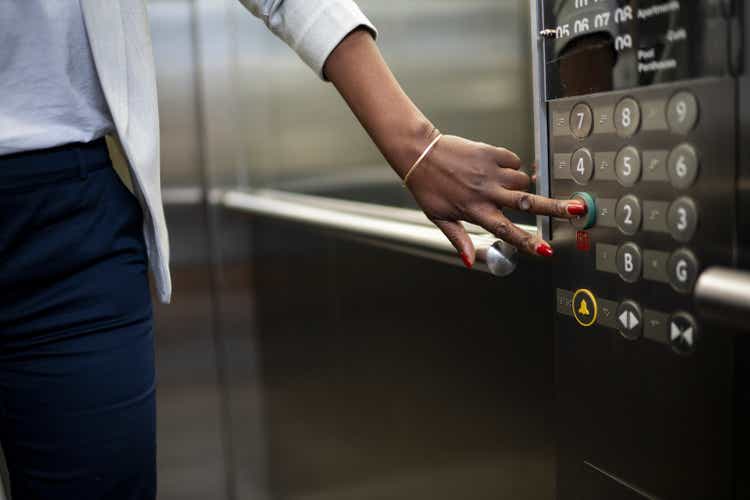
[(462, 180), (459, 180)]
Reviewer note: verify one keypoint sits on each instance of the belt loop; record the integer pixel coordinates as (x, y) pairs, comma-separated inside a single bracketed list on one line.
[(83, 170)]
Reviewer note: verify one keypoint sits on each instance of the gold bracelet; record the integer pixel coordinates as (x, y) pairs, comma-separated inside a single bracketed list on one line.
[(421, 159)]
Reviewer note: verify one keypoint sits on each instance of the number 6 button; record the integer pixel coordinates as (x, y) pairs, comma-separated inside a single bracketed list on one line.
[(682, 166)]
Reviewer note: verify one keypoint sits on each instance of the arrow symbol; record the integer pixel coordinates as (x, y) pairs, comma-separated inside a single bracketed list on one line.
[(688, 336), (675, 332), (629, 320)]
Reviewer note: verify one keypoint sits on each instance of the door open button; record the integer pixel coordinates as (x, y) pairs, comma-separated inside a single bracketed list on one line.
[(630, 320)]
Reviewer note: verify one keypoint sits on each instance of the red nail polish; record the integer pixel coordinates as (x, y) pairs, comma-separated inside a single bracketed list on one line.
[(544, 250), (577, 208), (466, 260)]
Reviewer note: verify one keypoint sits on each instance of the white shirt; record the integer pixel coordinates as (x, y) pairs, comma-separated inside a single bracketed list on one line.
[(49, 90)]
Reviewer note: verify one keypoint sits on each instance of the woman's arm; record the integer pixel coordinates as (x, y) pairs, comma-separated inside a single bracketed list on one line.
[(460, 179)]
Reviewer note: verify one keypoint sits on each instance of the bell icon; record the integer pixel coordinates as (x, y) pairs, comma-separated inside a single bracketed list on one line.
[(583, 310)]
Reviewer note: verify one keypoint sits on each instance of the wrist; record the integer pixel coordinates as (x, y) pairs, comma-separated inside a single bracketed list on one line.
[(407, 142)]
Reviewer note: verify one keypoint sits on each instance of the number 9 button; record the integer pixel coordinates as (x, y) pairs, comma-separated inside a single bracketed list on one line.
[(682, 112)]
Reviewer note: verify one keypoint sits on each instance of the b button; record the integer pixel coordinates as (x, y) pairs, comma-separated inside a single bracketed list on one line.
[(629, 262), (585, 308)]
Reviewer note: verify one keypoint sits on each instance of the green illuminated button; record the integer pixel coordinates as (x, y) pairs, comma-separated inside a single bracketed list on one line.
[(587, 220)]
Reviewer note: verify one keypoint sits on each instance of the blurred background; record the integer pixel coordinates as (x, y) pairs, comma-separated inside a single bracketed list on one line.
[(299, 363)]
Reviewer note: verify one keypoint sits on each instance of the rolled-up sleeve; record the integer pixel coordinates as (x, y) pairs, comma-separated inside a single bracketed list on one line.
[(313, 28)]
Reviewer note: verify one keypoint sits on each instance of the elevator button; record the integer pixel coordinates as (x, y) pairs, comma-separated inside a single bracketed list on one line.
[(627, 117), (630, 320), (655, 326), (628, 166), (629, 262), (561, 167), (587, 220), (655, 266), (682, 112), (604, 163), (682, 166), (581, 120), (655, 216), (655, 166), (683, 333), (585, 308), (605, 258), (682, 270), (629, 215), (582, 166), (683, 219)]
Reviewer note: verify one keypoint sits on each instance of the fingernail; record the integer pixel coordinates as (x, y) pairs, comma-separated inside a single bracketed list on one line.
[(544, 250), (466, 260), (577, 208)]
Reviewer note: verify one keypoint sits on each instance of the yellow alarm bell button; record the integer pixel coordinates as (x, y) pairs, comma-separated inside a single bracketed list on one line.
[(585, 308)]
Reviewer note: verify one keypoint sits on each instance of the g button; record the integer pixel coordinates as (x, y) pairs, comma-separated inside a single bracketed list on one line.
[(585, 308)]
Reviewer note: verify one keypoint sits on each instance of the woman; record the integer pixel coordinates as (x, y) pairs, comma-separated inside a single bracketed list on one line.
[(77, 417)]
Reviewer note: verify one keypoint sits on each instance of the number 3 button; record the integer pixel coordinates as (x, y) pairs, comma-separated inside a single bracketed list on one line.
[(682, 219)]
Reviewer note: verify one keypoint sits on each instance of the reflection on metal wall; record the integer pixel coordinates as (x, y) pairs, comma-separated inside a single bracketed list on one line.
[(238, 109), (463, 61)]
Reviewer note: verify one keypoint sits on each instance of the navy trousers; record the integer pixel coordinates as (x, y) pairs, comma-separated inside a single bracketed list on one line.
[(77, 397)]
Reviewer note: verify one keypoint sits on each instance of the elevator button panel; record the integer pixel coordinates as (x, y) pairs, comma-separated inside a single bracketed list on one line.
[(652, 161)]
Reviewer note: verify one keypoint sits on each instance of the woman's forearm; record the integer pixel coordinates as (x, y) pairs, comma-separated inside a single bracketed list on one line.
[(363, 78)]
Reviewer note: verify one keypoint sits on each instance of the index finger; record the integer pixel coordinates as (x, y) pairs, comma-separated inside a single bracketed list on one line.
[(540, 205)]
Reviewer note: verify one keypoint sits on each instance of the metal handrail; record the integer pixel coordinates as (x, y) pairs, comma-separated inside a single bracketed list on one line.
[(406, 228), (723, 294)]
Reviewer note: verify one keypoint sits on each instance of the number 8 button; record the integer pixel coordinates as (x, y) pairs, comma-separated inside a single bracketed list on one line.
[(627, 117)]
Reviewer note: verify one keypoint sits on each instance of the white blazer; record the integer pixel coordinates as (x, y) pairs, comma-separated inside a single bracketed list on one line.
[(121, 45)]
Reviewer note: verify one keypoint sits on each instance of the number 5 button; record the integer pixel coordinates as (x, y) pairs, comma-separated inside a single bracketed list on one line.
[(682, 219), (628, 166)]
